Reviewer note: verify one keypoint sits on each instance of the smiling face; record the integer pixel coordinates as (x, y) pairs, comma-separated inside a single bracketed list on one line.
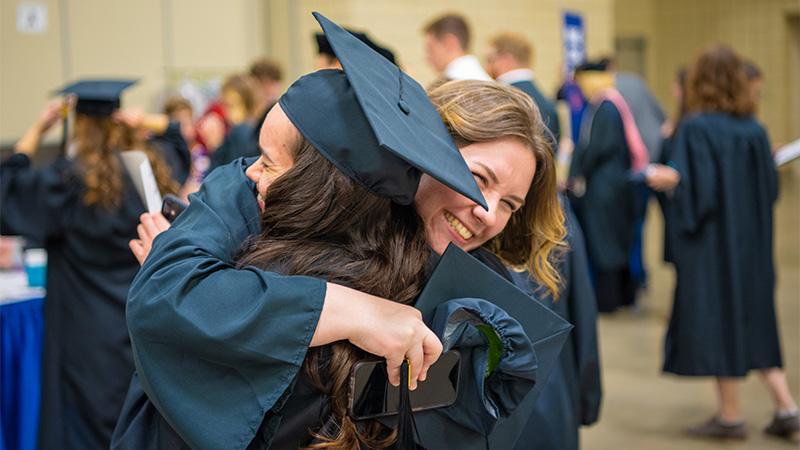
[(278, 139), (504, 169)]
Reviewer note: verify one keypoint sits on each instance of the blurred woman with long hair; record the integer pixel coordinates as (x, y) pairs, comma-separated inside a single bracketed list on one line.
[(83, 210), (723, 320)]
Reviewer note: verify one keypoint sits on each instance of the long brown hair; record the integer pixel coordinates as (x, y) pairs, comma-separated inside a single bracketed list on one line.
[(98, 139), (482, 111), (319, 222), (717, 82)]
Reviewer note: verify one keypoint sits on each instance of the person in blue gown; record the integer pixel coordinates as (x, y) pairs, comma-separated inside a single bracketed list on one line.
[(190, 299), (723, 321), (83, 210)]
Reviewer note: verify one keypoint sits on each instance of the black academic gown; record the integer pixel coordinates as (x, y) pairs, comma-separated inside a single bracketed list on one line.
[(723, 317), (664, 201), (606, 210), (573, 393), (546, 107), (175, 152), (187, 279), (87, 359), (240, 142)]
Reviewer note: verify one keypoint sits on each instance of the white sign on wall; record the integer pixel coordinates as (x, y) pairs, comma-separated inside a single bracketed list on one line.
[(31, 18)]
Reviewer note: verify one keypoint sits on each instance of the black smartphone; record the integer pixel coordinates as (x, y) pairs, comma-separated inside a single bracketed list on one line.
[(172, 207), (372, 396)]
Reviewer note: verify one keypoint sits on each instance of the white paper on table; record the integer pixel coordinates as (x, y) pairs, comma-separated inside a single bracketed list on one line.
[(787, 153), (138, 166)]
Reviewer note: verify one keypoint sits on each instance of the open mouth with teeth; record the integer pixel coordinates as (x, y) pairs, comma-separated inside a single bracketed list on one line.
[(457, 226)]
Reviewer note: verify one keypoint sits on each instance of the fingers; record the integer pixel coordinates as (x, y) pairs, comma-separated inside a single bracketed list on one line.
[(415, 358), (138, 250), (161, 223), (432, 350), (393, 369)]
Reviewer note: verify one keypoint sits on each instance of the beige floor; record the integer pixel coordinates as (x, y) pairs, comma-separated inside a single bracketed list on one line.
[(644, 409)]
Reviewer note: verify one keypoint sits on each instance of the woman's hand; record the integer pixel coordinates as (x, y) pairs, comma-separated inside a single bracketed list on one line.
[(381, 327), (51, 113), (662, 178), (150, 226)]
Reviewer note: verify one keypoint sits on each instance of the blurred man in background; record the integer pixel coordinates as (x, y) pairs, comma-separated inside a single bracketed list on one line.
[(447, 41)]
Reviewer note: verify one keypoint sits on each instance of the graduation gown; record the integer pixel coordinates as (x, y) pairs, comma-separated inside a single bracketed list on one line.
[(664, 201), (723, 317), (189, 299), (606, 210), (240, 142), (181, 303), (86, 359), (546, 108), (573, 393), (175, 151)]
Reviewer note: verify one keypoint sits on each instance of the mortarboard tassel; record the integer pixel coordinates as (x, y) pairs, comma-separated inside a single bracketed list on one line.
[(406, 426)]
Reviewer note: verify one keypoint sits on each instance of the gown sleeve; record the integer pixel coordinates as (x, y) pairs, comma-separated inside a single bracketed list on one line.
[(696, 195), (215, 346), (35, 203), (583, 315)]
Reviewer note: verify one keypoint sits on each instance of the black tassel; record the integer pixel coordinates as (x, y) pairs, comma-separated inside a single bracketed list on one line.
[(406, 426)]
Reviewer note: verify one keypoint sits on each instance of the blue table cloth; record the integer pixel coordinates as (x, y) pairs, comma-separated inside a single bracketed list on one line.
[(21, 323)]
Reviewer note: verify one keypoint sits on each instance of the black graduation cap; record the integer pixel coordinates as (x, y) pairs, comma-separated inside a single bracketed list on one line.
[(593, 66), (375, 123), (324, 47), (97, 97), (459, 275)]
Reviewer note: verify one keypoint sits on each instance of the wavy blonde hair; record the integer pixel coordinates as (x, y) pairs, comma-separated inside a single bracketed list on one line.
[(98, 141), (483, 111)]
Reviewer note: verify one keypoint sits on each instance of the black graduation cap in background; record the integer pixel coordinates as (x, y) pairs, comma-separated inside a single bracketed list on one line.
[(459, 275), (593, 66), (324, 47), (375, 123), (97, 97)]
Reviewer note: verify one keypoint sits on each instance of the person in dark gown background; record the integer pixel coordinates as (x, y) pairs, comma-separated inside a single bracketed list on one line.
[(723, 321), (508, 60), (573, 395), (83, 211), (239, 101), (602, 189)]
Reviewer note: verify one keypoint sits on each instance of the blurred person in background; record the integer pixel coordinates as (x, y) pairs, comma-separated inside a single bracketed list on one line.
[(447, 40), (508, 60), (601, 185), (649, 117), (267, 77), (239, 100), (83, 210), (723, 321), (180, 110), (326, 58)]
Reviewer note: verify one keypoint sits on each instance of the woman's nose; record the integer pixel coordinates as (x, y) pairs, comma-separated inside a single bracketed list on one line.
[(487, 218)]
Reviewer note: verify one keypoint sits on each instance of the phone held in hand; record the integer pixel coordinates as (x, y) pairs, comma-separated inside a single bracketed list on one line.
[(172, 207), (371, 395)]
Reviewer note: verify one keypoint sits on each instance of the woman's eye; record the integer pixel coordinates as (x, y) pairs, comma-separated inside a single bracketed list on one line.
[(480, 178), (510, 206)]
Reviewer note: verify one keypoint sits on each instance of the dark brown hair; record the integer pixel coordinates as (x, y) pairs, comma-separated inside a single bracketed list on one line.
[(319, 222), (454, 24), (176, 103), (98, 140), (483, 111), (265, 69), (717, 83)]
